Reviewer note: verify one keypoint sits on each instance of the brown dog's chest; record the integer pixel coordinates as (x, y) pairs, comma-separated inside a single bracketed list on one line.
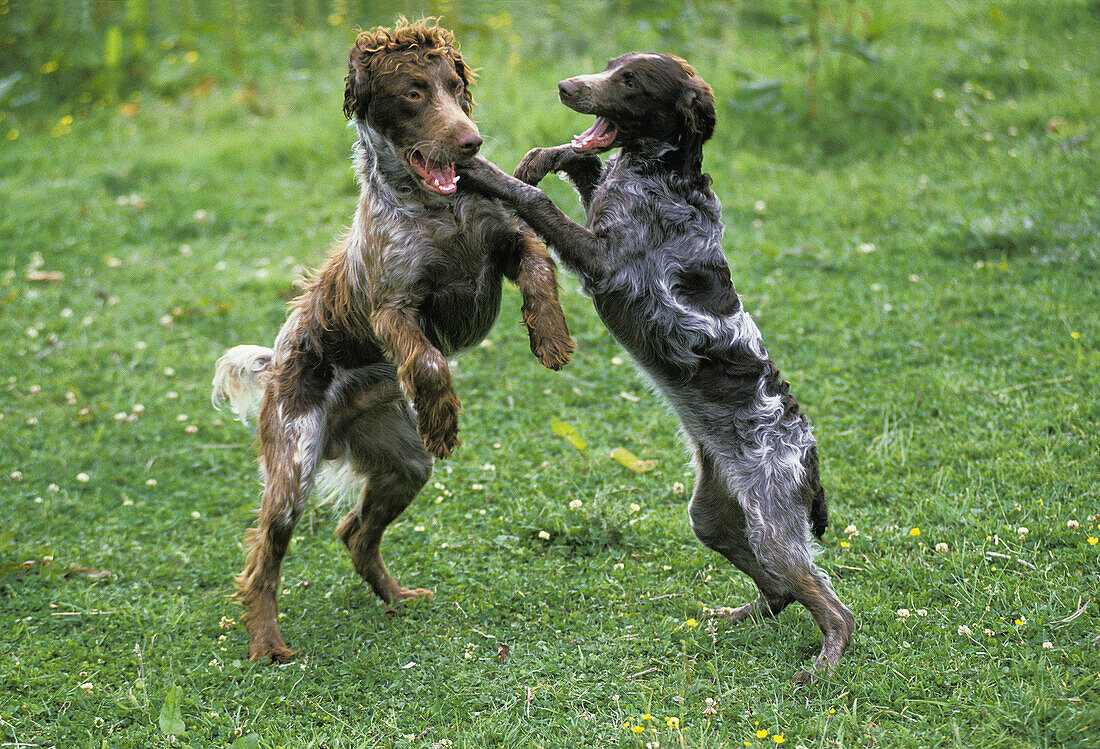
[(463, 280)]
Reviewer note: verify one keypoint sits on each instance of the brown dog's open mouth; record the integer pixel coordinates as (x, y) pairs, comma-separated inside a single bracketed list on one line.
[(439, 178), (601, 135)]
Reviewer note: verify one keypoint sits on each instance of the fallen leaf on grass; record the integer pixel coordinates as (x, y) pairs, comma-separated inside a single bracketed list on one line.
[(89, 572), (568, 432), (631, 461), (502, 651), (45, 276)]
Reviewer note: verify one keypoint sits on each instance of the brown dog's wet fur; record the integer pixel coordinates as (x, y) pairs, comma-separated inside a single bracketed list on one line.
[(417, 278)]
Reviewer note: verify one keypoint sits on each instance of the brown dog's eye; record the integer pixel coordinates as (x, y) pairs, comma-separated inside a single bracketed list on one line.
[(413, 95), (628, 80)]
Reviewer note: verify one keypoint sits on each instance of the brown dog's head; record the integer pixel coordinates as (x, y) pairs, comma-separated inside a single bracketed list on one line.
[(412, 86), (643, 96)]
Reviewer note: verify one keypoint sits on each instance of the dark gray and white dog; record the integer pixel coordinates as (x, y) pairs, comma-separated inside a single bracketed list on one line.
[(651, 258)]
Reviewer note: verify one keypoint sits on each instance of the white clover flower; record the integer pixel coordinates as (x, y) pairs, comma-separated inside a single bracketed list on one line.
[(544, 535), (964, 630), (575, 504)]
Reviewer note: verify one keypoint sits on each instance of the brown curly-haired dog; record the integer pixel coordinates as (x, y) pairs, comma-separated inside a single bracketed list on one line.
[(417, 278)]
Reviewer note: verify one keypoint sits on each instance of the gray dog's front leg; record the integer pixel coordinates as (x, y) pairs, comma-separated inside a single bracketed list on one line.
[(577, 247)]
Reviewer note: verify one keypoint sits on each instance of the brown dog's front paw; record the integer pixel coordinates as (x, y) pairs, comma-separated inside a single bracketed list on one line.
[(549, 333), (437, 422), (553, 351)]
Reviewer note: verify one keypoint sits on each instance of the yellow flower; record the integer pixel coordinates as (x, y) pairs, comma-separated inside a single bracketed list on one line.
[(673, 723), (647, 716), (844, 544), (636, 729), (191, 57), (1075, 335), (762, 733), (691, 623), (13, 134), (915, 532), (1093, 540), (778, 738), (50, 66), (1021, 622)]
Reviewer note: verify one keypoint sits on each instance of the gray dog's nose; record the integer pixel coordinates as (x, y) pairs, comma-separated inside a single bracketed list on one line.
[(568, 87)]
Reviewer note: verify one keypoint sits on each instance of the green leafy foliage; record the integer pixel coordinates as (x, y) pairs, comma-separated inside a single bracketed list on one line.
[(170, 719)]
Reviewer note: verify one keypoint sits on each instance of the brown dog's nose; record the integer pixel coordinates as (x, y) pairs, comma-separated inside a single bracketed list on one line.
[(568, 87), (469, 143)]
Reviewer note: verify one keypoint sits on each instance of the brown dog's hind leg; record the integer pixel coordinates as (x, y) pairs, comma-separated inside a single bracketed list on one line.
[(289, 449), (384, 444)]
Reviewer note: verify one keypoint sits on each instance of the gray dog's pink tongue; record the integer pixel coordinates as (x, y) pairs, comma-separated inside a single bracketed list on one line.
[(440, 178), (601, 134)]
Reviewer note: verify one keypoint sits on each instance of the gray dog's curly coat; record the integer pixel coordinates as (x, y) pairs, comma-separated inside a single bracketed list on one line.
[(652, 260)]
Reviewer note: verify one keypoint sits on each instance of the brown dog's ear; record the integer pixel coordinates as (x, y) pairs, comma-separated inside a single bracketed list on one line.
[(696, 108), (357, 82), (467, 74)]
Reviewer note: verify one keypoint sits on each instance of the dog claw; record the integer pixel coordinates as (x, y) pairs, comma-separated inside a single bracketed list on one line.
[(437, 423), (407, 594), (804, 677), (555, 354), (277, 653)]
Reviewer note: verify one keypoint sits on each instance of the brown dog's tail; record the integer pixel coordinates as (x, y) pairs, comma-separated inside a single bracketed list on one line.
[(240, 377)]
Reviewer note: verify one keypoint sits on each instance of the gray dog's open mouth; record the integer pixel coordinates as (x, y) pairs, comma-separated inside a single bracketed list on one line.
[(439, 178), (601, 135)]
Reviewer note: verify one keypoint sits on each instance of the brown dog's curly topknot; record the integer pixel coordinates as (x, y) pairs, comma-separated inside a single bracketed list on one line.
[(379, 51)]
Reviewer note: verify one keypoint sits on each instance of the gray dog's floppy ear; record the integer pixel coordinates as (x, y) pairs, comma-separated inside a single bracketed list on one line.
[(696, 108)]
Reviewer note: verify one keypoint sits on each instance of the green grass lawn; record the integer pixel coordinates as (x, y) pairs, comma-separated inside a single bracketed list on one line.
[(922, 258)]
